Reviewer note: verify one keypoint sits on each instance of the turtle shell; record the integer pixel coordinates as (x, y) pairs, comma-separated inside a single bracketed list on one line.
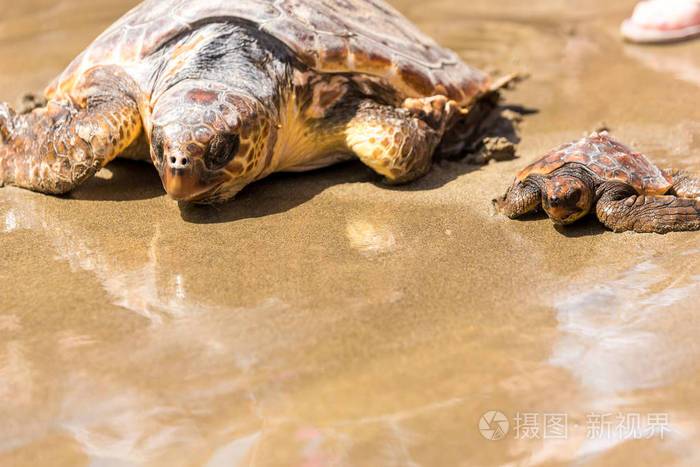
[(606, 158), (331, 36)]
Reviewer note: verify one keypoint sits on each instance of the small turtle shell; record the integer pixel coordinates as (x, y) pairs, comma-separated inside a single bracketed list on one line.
[(606, 158), (330, 36)]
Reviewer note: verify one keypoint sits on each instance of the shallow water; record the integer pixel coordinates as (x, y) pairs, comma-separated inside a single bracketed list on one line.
[(321, 319)]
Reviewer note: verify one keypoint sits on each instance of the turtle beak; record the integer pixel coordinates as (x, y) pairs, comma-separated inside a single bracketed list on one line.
[(560, 213), (180, 185), (563, 217), (182, 181)]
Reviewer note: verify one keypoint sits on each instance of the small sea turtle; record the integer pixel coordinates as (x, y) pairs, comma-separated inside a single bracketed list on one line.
[(226, 92), (625, 189)]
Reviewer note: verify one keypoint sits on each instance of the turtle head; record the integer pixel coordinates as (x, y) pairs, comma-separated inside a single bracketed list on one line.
[(567, 198), (206, 141)]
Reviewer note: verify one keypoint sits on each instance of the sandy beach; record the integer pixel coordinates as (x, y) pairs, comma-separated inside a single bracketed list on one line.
[(323, 319)]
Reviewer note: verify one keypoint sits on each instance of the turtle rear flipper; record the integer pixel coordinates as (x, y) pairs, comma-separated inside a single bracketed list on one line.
[(54, 149), (685, 185)]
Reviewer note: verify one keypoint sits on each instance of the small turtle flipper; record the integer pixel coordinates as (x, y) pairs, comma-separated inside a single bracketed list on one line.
[(520, 199), (685, 185), (54, 149), (622, 212)]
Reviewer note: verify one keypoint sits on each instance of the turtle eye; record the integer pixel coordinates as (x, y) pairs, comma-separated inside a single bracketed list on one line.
[(222, 148), (575, 197), (157, 144)]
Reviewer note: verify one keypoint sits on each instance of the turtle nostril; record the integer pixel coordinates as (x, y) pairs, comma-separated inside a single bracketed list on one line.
[(554, 201), (179, 162)]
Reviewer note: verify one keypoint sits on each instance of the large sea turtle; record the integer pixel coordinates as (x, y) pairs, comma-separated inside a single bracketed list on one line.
[(226, 92), (624, 188)]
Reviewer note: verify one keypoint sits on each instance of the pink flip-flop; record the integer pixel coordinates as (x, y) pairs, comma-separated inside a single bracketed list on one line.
[(655, 21)]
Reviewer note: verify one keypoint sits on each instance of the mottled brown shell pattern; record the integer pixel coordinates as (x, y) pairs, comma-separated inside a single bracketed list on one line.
[(608, 159), (331, 36)]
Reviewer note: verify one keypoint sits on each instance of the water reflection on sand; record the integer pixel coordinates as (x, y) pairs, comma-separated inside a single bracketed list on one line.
[(612, 326), (621, 335)]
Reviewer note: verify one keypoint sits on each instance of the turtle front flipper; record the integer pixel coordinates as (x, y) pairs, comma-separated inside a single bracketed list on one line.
[(685, 185), (521, 198), (621, 212), (54, 149), (393, 142)]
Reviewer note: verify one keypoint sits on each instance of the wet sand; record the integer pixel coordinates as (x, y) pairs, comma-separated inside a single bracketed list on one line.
[(321, 319)]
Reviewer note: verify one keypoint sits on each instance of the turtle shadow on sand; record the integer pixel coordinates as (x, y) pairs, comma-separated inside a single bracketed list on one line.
[(128, 180), (123, 180), (587, 227), (284, 191), (276, 194)]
